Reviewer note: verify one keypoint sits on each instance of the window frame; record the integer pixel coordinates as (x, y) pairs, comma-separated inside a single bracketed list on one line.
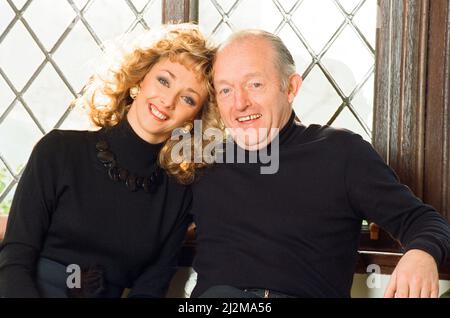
[(412, 111)]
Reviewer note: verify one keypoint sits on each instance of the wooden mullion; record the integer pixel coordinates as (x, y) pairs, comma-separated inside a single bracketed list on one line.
[(180, 11)]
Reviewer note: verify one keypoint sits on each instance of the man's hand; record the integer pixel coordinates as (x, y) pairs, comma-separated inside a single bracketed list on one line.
[(416, 276)]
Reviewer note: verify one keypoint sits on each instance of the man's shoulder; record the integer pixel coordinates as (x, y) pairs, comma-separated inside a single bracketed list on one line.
[(316, 132)]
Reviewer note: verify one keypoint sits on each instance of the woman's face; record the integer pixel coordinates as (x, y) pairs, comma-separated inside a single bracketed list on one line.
[(170, 95)]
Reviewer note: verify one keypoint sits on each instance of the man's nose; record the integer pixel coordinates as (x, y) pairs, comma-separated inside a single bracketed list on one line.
[(242, 101)]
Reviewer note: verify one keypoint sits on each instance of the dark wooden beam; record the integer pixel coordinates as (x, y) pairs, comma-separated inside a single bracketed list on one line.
[(412, 96), (180, 11), (400, 88), (437, 132)]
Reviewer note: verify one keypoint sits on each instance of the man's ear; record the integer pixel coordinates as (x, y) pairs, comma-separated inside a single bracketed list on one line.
[(294, 83)]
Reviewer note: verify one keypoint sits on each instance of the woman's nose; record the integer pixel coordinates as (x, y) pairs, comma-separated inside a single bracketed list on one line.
[(168, 101)]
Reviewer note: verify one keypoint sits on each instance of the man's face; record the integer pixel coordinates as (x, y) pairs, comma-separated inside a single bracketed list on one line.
[(249, 93)]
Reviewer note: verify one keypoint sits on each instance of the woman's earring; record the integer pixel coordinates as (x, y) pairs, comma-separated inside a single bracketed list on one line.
[(134, 91), (187, 128), (184, 165)]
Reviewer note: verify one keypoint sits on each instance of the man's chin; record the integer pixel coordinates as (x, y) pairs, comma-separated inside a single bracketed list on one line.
[(251, 144)]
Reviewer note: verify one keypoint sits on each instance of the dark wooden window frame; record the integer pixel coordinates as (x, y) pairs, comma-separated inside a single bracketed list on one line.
[(179, 11), (411, 110)]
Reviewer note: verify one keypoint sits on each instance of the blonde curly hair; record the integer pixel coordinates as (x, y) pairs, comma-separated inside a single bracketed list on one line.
[(107, 95)]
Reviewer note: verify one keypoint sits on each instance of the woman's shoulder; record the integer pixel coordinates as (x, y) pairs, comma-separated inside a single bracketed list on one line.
[(59, 140), (62, 136)]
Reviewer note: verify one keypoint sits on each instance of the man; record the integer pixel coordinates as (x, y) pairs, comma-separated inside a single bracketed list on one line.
[(296, 232)]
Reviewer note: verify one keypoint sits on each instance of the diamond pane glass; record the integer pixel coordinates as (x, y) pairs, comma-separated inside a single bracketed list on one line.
[(288, 4), (363, 101), (77, 119), (48, 97), (348, 66), (80, 3), (49, 26), (53, 47), (366, 21), (349, 5), (109, 19), (6, 96), (300, 54), (6, 15), (261, 10), (332, 42), (345, 118), (19, 127), (225, 5), (317, 100), (19, 3), (317, 22), (77, 56), (152, 13), (19, 55), (140, 4), (5, 204), (5, 178), (209, 17)]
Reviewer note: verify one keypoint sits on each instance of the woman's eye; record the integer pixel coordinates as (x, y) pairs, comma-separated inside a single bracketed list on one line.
[(163, 81), (189, 100)]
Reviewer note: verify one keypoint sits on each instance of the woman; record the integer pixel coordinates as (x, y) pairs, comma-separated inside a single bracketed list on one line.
[(94, 213)]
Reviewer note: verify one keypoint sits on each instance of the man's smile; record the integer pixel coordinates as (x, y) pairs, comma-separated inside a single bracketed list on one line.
[(248, 118)]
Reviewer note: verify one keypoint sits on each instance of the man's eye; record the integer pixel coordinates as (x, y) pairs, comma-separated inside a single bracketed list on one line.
[(163, 81), (256, 85), (189, 100), (225, 91)]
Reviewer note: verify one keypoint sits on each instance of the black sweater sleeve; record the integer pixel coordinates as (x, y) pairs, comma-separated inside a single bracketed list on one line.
[(155, 279), (377, 195), (29, 219)]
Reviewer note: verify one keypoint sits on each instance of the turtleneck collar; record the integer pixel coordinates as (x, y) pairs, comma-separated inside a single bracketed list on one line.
[(132, 152), (288, 129), (285, 134)]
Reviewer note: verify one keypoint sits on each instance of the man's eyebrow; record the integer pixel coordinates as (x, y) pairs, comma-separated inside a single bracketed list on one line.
[(253, 74), (248, 75), (222, 82)]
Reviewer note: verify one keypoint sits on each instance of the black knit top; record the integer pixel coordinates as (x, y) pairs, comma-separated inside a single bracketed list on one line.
[(67, 209), (297, 231)]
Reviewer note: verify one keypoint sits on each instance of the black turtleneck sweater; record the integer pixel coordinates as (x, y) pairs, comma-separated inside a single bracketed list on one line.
[(297, 231), (68, 210)]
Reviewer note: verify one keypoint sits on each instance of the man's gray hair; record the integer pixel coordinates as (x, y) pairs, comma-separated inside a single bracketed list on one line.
[(284, 61)]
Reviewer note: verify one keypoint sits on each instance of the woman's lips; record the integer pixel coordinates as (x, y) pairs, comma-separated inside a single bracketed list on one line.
[(157, 114)]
